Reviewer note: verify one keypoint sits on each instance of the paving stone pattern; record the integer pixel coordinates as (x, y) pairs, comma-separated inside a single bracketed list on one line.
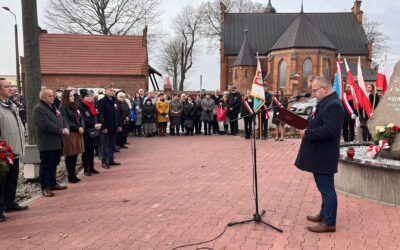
[(178, 190)]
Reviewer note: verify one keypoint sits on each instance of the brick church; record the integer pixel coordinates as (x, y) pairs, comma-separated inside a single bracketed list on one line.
[(291, 47)]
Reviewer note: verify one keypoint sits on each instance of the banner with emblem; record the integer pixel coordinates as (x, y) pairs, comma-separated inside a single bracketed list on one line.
[(257, 89)]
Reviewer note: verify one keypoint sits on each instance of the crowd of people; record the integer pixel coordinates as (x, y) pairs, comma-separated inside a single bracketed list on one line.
[(74, 122)]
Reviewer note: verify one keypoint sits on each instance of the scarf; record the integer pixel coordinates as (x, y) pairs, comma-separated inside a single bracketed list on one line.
[(91, 107)]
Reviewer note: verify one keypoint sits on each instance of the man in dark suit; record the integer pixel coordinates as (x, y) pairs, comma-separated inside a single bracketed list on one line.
[(264, 120), (50, 129), (319, 151), (108, 110)]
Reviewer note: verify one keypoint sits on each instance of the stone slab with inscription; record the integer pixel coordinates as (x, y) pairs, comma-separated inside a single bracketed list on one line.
[(388, 111)]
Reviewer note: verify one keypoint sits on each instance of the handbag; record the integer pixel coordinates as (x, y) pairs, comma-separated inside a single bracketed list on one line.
[(93, 133)]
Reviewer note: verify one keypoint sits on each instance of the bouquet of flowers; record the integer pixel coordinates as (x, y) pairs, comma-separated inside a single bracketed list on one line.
[(6, 157), (383, 139)]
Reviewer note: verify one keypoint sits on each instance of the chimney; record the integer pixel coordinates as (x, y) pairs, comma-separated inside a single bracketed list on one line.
[(223, 11), (144, 38), (357, 11)]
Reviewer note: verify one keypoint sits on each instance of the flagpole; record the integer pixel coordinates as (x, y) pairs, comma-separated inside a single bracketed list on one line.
[(259, 124)]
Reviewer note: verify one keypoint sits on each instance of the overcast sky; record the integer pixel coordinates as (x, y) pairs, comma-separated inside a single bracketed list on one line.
[(384, 11)]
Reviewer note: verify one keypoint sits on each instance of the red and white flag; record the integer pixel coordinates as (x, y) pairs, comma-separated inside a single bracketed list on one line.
[(267, 116), (353, 85), (364, 95), (381, 79)]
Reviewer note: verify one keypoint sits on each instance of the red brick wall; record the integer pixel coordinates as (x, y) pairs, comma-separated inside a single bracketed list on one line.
[(243, 82), (130, 84), (272, 67)]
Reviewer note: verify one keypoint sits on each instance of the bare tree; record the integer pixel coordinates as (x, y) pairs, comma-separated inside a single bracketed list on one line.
[(211, 15), (171, 60), (108, 17), (179, 52), (379, 45)]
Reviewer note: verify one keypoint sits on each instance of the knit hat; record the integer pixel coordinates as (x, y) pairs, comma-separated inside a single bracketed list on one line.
[(84, 93)]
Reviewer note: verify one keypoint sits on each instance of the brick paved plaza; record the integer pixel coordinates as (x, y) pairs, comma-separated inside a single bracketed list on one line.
[(178, 190)]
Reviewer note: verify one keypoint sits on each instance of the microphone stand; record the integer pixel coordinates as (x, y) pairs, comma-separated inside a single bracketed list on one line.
[(257, 216)]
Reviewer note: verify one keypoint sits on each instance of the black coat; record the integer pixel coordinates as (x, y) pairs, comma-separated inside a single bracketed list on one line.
[(233, 101), (198, 111), (189, 110), (319, 149), (268, 99), (149, 113), (123, 111), (245, 112), (72, 119), (276, 108), (49, 124), (90, 121), (108, 109)]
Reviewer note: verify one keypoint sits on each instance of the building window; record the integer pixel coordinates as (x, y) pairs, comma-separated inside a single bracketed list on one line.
[(307, 70), (245, 73), (282, 74), (328, 67), (236, 75)]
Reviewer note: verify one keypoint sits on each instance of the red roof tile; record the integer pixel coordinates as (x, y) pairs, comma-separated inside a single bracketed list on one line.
[(91, 54)]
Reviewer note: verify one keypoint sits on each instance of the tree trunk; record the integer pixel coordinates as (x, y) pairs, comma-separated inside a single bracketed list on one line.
[(182, 68), (32, 62)]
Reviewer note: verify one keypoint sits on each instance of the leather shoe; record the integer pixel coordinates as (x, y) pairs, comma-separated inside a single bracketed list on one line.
[(322, 228), (317, 218), (58, 187), (105, 165), (15, 207), (93, 171), (47, 193), (113, 163), (2, 217)]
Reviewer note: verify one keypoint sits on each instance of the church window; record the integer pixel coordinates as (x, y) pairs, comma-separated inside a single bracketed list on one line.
[(236, 74), (282, 74), (245, 73), (307, 70), (328, 67)]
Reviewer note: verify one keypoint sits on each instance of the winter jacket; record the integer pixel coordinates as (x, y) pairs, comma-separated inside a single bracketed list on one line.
[(221, 114), (149, 113), (49, 124), (162, 110), (207, 106), (189, 110), (319, 149), (12, 128), (176, 106)]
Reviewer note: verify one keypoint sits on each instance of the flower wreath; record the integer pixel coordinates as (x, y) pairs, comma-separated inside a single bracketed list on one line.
[(6, 157)]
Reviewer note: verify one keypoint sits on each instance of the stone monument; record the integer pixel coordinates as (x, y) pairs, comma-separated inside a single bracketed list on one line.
[(388, 111)]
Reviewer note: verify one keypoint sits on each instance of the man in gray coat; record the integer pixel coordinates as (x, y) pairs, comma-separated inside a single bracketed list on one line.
[(50, 129), (12, 130)]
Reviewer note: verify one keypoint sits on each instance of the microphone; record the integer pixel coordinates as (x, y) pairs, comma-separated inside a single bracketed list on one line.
[(302, 95)]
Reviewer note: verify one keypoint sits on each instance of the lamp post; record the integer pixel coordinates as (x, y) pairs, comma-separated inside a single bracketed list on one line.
[(16, 49)]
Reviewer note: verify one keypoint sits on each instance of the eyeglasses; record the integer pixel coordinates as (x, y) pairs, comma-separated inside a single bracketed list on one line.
[(315, 90)]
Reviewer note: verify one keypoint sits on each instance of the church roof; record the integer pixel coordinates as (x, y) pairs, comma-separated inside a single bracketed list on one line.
[(341, 29), (301, 33), (246, 56)]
